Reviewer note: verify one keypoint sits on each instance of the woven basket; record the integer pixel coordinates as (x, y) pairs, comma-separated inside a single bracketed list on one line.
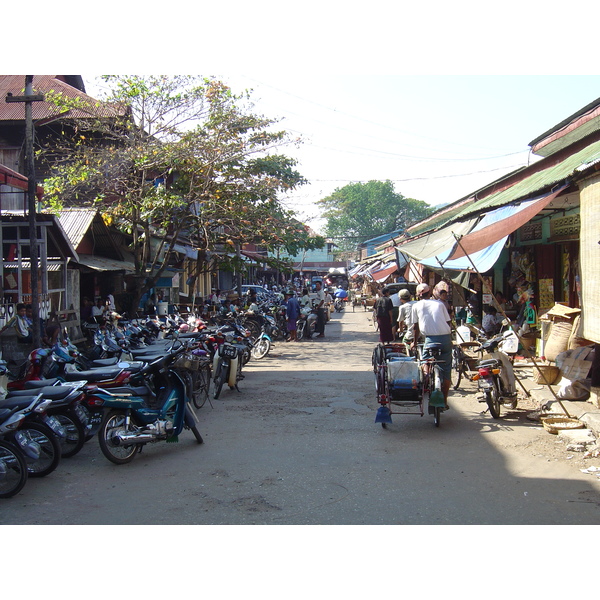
[(551, 373), (185, 361), (555, 424)]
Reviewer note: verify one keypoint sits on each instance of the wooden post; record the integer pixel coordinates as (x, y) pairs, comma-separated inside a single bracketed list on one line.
[(28, 99)]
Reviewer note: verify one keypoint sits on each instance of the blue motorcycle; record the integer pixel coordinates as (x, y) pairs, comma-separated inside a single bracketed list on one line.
[(136, 416)]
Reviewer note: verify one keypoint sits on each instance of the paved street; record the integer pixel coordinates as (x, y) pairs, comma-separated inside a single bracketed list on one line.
[(299, 445)]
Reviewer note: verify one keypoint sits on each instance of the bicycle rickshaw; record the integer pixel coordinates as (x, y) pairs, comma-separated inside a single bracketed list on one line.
[(408, 384)]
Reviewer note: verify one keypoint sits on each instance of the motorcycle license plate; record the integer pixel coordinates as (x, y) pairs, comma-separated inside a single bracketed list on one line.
[(227, 351), (485, 385)]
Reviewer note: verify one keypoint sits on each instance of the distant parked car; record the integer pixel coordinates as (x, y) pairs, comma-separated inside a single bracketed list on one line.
[(261, 293)]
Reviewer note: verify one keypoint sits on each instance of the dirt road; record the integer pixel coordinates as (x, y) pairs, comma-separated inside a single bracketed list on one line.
[(299, 445)]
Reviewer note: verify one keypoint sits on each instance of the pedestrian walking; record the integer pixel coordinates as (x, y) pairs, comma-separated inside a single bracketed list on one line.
[(292, 312), (383, 312), (320, 303), (395, 298)]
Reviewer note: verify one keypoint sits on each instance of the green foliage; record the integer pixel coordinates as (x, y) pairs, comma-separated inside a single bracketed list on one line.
[(176, 155), (362, 211)]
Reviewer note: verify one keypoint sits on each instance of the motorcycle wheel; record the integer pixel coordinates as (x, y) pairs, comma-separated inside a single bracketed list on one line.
[(457, 366), (219, 379), (75, 435), (190, 422), (50, 450), (261, 349), (253, 326), (493, 401), (113, 423), (201, 386), (437, 385), (300, 330), (246, 354), (13, 470)]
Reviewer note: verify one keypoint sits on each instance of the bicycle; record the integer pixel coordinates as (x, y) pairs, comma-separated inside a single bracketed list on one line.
[(432, 378), (196, 374), (463, 363)]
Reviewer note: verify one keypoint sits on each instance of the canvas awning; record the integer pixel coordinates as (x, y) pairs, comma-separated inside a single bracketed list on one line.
[(497, 225), (383, 274)]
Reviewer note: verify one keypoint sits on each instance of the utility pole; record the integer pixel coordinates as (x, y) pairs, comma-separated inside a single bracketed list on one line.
[(28, 99)]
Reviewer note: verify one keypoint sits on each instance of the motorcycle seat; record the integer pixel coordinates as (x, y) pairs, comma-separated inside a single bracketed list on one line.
[(38, 383), (145, 358), (92, 375), (17, 402), (105, 362), (139, 354), (52, 392), (140, 390), (488, 362), (192, 335)]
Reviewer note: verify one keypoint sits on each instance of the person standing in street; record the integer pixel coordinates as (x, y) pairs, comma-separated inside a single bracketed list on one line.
[(384, 310), (395, 298), (431, 319), (292, 312), (320, 303), (405, 322)]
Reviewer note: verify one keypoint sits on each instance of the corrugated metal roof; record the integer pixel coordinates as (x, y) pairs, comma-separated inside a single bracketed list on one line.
[(76, 223), (100, 263), (541, 179), (537, 182), (15, 111)]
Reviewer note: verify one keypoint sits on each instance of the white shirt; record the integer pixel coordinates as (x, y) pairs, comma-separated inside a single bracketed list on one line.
[(395, 298), (320, 296), (432, 317), (406, 313)]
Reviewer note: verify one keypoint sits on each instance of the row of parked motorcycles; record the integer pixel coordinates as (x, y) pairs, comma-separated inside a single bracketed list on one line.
[(141, 382)]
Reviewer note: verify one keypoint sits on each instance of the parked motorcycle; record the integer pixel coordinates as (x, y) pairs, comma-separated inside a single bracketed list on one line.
[(134, 417), (495, 375), (13, 464), (37, 442), (262, 345), (65, 415), (307, 323), (227, 362)]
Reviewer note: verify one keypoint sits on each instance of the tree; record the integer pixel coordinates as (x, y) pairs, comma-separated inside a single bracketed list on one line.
[(175, 157), (362, 211)]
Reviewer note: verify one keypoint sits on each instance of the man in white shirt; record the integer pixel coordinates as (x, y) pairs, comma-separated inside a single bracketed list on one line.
[(405, 322), (431, 319)]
